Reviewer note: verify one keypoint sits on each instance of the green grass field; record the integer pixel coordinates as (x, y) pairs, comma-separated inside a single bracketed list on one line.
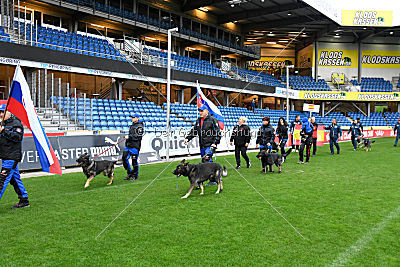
[(347, 206)]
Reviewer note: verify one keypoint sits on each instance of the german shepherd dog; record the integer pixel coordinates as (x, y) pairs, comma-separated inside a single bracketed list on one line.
[(199, 173), (92, 168), (269, 159), (367, 143)]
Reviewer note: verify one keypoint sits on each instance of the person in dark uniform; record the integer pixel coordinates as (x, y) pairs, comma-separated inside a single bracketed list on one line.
[(207, 129), (11, 134), (241, 136), (335, 132), (265, 135), (360, 125), (132, 148), (355, 134), (315, 135), (397, 132), (306, 140), (282, 131), (292, 126), (253, 105)]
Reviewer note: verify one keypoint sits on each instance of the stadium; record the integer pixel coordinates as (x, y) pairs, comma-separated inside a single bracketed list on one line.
[(76, 74)]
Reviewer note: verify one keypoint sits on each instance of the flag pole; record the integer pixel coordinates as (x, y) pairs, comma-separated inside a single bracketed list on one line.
[(8, 100)]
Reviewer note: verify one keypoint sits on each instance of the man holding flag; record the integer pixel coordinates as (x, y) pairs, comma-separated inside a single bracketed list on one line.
[(11, 134), (207, 127), (20, 104)]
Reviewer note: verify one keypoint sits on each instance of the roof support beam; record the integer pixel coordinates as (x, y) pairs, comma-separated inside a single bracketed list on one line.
[(194, 4), (254, 13), (282, 22)]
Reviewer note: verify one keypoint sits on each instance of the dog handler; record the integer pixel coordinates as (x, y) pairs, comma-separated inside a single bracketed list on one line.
[(265, 135), (11, 135), (397, 130), (132, 148), (306, 140), (335, 132), (207, 129), (241, 136), (355, 134), (292, 127)]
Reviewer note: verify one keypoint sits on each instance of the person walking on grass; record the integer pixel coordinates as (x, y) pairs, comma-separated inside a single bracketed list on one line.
[(209, 133), (335, 132), (241, 136), (355, 134), (315, 135), (306, 141), (282, 131), (265, 135), (132, 148), (397, 132), (11, 135)]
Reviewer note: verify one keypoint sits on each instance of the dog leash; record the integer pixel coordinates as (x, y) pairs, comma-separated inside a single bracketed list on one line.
[(109, 148)]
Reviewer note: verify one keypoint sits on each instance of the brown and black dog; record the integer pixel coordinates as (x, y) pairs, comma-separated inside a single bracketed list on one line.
[(92, 168), (269, 159)]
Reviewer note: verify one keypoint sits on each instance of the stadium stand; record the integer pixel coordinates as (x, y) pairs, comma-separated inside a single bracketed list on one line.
[(306, 83), (256, 77), (370, 84), (111, 114), (392, 117), (376, 119)]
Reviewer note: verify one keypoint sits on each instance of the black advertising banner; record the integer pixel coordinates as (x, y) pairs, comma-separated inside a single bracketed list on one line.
[(68, 148)]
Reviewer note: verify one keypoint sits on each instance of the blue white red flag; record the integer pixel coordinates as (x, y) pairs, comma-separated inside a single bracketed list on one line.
[(212, 109), (20, 104)]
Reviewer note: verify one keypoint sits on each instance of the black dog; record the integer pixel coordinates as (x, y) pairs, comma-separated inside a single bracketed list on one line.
[(199, 173), (92, 168), (269, 159)]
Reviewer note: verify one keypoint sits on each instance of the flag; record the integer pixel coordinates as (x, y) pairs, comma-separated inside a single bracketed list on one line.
[(296, 134), (20, 104), (212, 109), (320, 135)]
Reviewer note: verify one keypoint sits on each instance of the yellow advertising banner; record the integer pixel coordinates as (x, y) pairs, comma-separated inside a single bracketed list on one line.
[(380, 59), (338, 58), (265, 62), (348, 96), (365, 18)]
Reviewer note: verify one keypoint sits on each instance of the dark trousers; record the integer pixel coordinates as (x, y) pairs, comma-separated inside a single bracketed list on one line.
[(282, 145), (305, 144), (241, 150), (354, 141), (397, 138), (334, 142), (314, 146)]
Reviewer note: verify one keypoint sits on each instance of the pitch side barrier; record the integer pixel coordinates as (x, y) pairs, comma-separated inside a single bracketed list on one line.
[(69, 147)]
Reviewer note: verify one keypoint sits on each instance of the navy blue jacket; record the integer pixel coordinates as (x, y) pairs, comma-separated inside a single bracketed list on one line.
[(208, 133), (334, 131), (265, 135), (355, 130), (397, 128), (361, 126), (135, 135), (293, 124), (10, 140)]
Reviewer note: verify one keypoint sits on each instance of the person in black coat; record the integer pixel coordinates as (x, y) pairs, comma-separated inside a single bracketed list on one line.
[(356, 134), (315, 135), (282, 131), (11, 135), (241, 136), (132, 148), (265, 135)]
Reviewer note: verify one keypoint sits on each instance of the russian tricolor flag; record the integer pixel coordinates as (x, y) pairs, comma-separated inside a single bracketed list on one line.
[(212, 109), (20, 104)]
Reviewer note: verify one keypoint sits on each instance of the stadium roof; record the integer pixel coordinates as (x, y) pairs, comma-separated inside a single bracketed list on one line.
[(278, 21)]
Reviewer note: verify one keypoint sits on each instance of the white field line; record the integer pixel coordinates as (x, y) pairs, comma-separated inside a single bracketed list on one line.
[(353, 250)]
